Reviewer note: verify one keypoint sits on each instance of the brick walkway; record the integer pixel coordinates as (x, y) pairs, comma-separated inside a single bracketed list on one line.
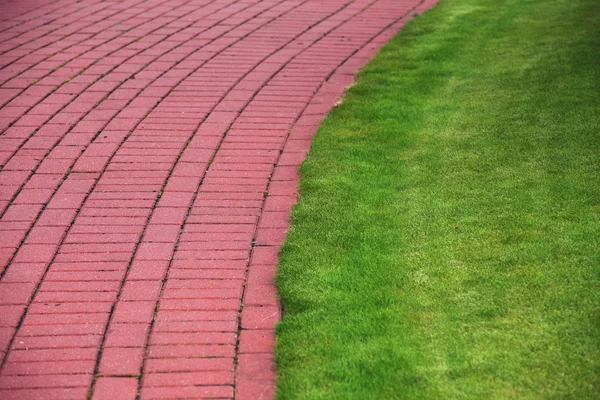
[(148, 155)]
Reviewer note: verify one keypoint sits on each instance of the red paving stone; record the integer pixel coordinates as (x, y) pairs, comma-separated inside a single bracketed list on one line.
[(148, 164)]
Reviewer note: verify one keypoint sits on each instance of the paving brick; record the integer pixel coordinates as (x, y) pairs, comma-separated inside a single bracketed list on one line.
[(112, 388), (189, 364), (183, 351), (24, 272), (16, 293), (265, 255), (209, 264), (68, 308), (260, 317), (141, 290), (40, 355), (158, 338), (256, 367), (188, 379), (170, 132), (162, 232), (121, 361), (35, 253), (223, 293), (66, 319), (247, 389), (6, 335), (56, 342), (195, 326), (271, 236), (154, 251), (148, 270), (81, 286), (207, 274), (126, 335), (46, 381), (31, 328), (45, 393), (49, 368), (199, 304), (261, 274), (45, 235), (261, 295), (11, 315), (57, 217), (83, 276), (256, 341), (134, 311), (75, 297), (188, 392)]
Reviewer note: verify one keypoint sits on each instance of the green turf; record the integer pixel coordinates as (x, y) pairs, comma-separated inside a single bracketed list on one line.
[(447, 240)]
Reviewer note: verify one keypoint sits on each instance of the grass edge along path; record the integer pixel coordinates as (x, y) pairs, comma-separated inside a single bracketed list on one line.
[(447, 239)]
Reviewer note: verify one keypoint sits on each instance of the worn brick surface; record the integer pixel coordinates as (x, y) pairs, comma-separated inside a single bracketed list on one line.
[(148, 164)]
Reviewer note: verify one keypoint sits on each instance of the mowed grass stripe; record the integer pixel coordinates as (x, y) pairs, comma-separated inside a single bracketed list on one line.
[(446, 244)]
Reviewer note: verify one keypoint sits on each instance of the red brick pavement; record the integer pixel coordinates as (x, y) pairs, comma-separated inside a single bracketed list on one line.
[(148, 154)]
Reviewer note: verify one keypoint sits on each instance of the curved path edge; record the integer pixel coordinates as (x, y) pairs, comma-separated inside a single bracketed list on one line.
[(256, 371), (149, 154)]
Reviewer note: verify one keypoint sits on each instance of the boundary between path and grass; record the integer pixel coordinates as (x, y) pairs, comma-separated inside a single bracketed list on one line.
[(446, 241)]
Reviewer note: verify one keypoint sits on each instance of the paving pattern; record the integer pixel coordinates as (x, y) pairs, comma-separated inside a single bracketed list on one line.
[(149, 153)]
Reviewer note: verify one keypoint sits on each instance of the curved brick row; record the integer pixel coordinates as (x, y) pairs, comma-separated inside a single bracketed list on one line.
[(149, 153)]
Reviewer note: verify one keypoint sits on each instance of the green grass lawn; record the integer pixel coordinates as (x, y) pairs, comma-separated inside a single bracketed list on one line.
[(447, 240)]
